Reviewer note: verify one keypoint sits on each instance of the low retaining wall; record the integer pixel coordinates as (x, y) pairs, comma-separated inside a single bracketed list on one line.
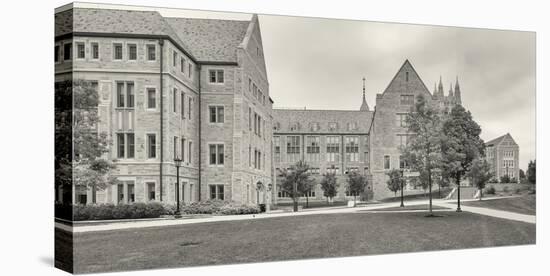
[(511, 187)]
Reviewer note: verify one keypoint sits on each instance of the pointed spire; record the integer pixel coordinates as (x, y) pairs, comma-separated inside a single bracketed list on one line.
[(364, 105), (440, 87), (451, 94), (458, 94)]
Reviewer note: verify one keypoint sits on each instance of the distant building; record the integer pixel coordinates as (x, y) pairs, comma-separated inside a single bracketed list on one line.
[(503, 155)]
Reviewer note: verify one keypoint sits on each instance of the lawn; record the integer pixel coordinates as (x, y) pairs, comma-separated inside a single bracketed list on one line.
[(524, 204), (422, 207), (288, 238)]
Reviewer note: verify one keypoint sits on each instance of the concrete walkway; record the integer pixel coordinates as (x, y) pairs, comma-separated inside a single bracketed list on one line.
[(107, 226)]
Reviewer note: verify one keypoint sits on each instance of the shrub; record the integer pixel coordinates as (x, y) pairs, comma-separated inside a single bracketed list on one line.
[(505, 189), (505, 179), (490, 190), (238, 210), (518, 190)]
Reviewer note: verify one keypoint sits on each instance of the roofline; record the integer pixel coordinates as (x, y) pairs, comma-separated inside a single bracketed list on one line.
[(329, 110), (395, 76), (144, 36), (320, 133)]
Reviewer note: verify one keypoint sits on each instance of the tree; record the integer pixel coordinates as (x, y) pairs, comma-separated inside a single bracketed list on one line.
[(329, 185), (461, 144), (356, 184), (423, 150), (296, 180), (522, 176), (395, 181), (479, 174), (532, 172), (505, 179), (84, 164)]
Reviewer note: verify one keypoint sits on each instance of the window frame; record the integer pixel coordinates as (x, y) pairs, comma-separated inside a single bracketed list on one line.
[(96, 43), (216, 114), (128, 52), (147, 52), (77, 50), (216, 162), (69, 51), (148, 146), (147, 99), (113, 57), (216, 76)]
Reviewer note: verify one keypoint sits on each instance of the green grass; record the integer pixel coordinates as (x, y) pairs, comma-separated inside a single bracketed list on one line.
[(289, 238), (524, 205), (423, 207)]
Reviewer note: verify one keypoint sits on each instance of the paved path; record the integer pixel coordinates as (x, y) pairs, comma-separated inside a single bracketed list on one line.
[(336, 210)]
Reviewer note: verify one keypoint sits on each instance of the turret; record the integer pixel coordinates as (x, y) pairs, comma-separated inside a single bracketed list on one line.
[(451, 94), (457, 92), (440, 88), (364, 105)]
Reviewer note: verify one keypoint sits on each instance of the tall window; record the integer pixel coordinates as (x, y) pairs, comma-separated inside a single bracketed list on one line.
[(125, 94), (117, 51), (250, 119), (80, 50), (132, 52), (151, 146), (67, 51), (151, 98), (175, 144), (174, 58), (190, 70), (182, 104), (293, 148), (352, 148), (407, 99), (182, 147), (332, 126), (216, 76), (402, 162), (151, 52), (216, 153), (190, 108), (333, 149), (402, 140), (151, 191), (182, 65), (190, 153), (406, 76), (386, 162), (175, 100), (216, 192), (259, 124), (56, 53), (313, 148), (401, 120), (277, 148), (95, 50), (131, 192), (216, 114)]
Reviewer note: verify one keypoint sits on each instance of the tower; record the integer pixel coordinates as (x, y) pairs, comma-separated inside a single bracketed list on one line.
[(451, 94), (458, 99), (440, 89), (364, 105)]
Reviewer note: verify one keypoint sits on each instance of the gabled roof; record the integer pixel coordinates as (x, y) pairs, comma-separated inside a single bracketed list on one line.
[(407, 67), (305, 117), (210, 39), (499, 139)]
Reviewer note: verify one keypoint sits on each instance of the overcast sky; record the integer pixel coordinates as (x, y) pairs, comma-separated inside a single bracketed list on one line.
[(319, 63)]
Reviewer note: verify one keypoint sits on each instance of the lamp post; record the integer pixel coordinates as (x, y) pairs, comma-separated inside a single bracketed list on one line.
[(259, 186), (177, 163), (401, 182), (268, 204)]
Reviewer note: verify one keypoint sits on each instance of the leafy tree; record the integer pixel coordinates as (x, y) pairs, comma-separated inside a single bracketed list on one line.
[(77, 123), (461, 144), (532, 172), (395, 181), (356, 184), (329, 185), (522, 176), (505, 179), (479, 174), (295, 181), (423, 150)]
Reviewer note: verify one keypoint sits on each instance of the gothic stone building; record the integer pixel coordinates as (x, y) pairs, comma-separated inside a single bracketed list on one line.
[(363, 140), (502, 153), (192, 88)]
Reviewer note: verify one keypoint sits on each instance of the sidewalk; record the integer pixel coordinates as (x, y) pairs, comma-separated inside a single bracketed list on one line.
[(119, 225)]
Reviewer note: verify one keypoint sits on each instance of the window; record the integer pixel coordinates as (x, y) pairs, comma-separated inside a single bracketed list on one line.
[(333, 170), (333, 149), (249, 85), (151, 52), (125, 94), (151, 146), (407, 99), (182, 65), (120, 145), (402, 162), (352, 126), (190, 153), (95, 50), (313, 148), (125, 145), (314, 126), (216, 154), (174, 58), (401, 119), (189, 110), (508, 163), (277, 148), (314, 170), (332, 126), (349, 193), (352, 169), (190, 70), (293, 148), (175, 100), (402, 140), (406, 76), (216, 192), (216, 76), (80, 50), (250, 119), (352, 148), (117, 51), (182, 147), (120, 192), (254, 90), (132, 52), (386, 162), (151, 98), (56, 53), (130, 139), (175, 144), (151, 191), (216, 114), (310, 193), (182, 104), (67, 51), (131, 193), (259, 118)]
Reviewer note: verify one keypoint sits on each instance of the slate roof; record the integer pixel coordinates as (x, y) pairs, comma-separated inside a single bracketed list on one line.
[(497, 140), (211, 39), (204, 39), (286, 117)]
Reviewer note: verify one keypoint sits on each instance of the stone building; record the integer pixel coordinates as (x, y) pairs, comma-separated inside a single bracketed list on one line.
[(502, 153), (172, 87)]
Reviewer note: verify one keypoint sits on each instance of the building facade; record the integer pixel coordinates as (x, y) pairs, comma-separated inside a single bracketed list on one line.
[(502, 153), (167, 91)]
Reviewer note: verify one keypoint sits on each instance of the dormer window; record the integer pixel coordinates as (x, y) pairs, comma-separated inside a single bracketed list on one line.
[(315, 126), (352, 126), (294, 127), (332, 126), (277, 126)]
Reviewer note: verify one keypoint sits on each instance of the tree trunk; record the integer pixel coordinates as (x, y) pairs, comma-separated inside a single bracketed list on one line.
[(354, 200), (295, 203), (307, 201), (439, 190), (480, 194), (458, 209), (430, 189)]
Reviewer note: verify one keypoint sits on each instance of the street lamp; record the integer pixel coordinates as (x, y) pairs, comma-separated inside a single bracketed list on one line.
[(259, 186), (177, 163), (268, 204), (401, 182)]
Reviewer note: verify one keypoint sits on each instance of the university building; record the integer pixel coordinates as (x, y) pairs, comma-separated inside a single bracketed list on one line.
[(196, 89), (502, 153)]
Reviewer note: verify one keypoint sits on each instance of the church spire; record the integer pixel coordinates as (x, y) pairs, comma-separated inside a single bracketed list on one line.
[(451, 94), (457, 92), (364, 105), (440, 87)]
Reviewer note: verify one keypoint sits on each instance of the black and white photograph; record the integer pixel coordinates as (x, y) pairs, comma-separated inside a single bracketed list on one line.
[(187, 138)]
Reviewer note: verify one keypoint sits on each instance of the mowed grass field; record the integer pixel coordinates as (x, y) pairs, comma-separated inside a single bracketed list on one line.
[(290, 238), (526, 204)]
